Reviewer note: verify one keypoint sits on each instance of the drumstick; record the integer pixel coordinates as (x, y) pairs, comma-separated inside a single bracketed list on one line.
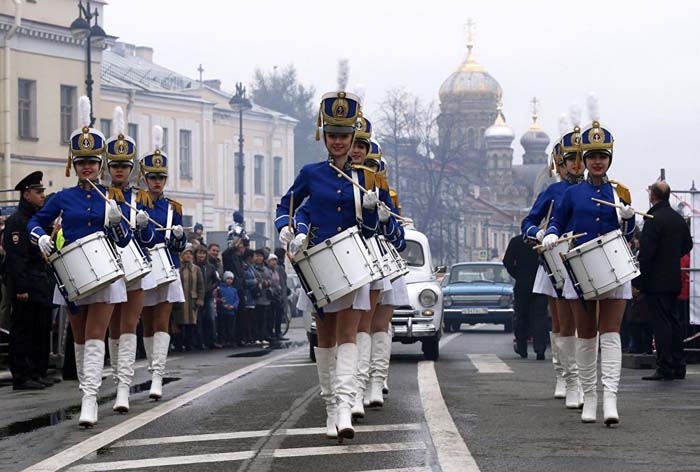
[(616, 205), (133, 208), (549, 215), (107, 199), (563, 239), (349, 179), (162, 228)]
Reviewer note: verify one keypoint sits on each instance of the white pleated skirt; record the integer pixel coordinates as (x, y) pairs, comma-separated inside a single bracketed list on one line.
[(543, 285), (381, 284), (624, 292), (398, 295), (146, 282), (171, 293), (357, 300), (112, 293)]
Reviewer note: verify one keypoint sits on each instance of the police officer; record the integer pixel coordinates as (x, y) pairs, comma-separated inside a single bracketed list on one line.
[(30, 289)]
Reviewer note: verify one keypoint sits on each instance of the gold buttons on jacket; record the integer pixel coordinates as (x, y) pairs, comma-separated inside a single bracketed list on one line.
[(598, 190), (340, 191), (597, 220), (339, 228), (340, 176), (88, 196), (89, 223), (597, 204), (339, 209)]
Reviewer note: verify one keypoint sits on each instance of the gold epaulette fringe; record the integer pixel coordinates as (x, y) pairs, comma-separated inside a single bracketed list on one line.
[(177, 206), (144, 198), (622, 191), (115, 193)]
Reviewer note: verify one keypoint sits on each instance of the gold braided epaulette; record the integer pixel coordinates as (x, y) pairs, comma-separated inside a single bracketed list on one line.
[(177, 206), (622, 191), (144, 198), (115, 193)]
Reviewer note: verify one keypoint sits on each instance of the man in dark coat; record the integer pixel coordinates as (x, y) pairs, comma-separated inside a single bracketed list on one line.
[(30, 290), (665, 239), (521, 262)]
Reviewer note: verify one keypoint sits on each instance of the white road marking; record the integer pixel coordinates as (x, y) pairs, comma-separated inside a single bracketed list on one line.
[(259, 434), (82, 449), (243, 455), (452, 452), (449, 338), (410, 469), (489, 364), (277, 366)]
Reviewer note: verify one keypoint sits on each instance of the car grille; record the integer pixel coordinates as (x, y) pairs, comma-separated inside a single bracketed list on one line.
[(403, 308), (475, 299)]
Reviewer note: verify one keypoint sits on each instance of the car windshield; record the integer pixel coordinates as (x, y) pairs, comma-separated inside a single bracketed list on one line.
[(479, 273), (413, 254)]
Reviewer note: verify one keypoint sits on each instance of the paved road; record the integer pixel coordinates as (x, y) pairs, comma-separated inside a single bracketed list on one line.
[(478, 408)]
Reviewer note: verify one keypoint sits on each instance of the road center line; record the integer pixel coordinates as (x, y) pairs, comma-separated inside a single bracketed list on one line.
[(277, 366), (243, 455), (489, 364), (259, 434), (452, 452), (82, 449)]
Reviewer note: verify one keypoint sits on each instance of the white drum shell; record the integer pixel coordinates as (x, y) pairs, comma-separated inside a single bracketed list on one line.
[(395, 264), (336, 267), (86, 265), (134, 263), (555, 264), (162, 268), (602, 264)]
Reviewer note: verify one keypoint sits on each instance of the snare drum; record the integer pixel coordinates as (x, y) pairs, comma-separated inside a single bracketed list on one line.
[(85, 266), (393, 265), (162, 267), (554, 265), (601, 265), (134, 263), (337, 266)]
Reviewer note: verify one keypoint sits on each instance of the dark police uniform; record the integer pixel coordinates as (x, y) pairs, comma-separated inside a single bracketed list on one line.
[(27, 272)]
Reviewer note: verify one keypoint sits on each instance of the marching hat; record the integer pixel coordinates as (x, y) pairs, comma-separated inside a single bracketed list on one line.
[(86, 144), (363, 130), (32, 181), (156, 162), (120, 147), (375, 151), (338, 113), (596, 138)]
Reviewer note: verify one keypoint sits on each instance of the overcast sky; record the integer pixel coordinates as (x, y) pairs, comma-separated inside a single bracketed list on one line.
[(642, 58)]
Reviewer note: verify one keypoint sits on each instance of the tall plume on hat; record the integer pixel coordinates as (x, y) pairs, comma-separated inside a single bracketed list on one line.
[(118, 120), (593, 107), (343, 73), (575, 114), (84, 111), (158, 137), (564, 124), (360, 90)]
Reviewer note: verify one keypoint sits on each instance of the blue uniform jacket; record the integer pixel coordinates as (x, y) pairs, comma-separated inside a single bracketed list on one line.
[(578, 213), (83, 215), (392, 229), (539, 210), (144, 237), (330, 205), (159, 213)]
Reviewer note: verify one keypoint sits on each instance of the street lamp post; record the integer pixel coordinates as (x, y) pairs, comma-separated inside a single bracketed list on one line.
[(240, 103), (83, 28)]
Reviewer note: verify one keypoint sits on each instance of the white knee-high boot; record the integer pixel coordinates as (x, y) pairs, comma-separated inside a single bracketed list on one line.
[(385, 389), (364, 349), (93, 363), (125, 371), (113, 346), (567, 357), (325, 358), (79, 360), (560, 387), (148, 347), (610, 369), (345, 388), (379, 367), (587, 360), (161, 344)]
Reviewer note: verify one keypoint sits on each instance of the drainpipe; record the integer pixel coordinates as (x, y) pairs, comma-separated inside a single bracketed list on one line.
[(7, 144)]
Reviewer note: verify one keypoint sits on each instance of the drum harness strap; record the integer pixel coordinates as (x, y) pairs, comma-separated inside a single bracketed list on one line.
[(132, 214), (169, 221), (358, 198)]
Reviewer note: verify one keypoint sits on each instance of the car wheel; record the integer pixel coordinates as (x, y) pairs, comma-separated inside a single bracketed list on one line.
[(431, 349), (508, 326)]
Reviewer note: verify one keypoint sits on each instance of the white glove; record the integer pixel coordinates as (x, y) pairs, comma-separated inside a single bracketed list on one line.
[(141, 219), (297, 243), (383, 214), (286, 235), (540, 235), (178, 232), (114, 215), (626, 212), (45, 245), (369, 202), (550, 241)]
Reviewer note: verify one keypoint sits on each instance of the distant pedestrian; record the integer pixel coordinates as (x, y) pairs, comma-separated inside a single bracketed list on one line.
[(206, 321), (665, 240), (227, 306), (186, 314)]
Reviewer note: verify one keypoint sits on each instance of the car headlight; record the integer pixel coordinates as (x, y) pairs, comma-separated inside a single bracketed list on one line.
[(447, 300), (505, 300), (428, 298)]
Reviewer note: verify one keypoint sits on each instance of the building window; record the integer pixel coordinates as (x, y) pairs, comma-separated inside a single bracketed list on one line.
[(133, 131), (106, 127), (260, 230), (68, 105), (277, 176), (185, 154), (258, 175), (26, 108), (165, 140)]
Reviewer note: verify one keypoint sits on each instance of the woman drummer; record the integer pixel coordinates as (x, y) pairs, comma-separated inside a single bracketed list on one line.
[(566, 160), (332, 209), (581, 214), (395, 295), (85, 212), (121, 150), (158, 301)]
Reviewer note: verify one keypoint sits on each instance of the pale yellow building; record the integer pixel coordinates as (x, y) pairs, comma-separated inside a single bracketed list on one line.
[(46, 74)]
